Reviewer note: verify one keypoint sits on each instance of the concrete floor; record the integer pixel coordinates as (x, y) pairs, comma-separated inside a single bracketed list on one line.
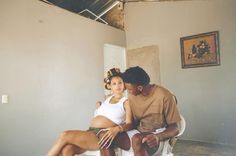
[(194, 148)]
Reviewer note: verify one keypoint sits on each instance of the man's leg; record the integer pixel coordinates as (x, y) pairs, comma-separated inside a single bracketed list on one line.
[(122, 141), (137, 145), (142, 148)]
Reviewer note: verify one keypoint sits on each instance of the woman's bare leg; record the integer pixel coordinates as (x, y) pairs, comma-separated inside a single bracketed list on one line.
[(107, 152), (82, 139), (71, 150)]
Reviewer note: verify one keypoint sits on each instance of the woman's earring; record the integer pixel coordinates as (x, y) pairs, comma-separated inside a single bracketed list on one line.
[(109, 86), (140, 88)]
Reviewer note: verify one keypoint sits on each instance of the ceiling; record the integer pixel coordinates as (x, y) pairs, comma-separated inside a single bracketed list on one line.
[(105, 11)]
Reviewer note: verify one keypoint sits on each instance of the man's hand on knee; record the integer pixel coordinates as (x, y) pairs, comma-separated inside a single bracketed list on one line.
[(151, 140)]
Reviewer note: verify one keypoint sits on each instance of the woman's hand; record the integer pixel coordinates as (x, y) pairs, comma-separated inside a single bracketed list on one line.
[(109, 135), (98, 104)]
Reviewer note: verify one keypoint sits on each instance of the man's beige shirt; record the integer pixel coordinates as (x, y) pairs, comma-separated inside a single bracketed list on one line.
[(154, 111)]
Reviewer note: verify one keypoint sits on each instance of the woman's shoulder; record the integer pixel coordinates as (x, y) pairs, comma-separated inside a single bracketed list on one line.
[(123, 99), (108, 96)]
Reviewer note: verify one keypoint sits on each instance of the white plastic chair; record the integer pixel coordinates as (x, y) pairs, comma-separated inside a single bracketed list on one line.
[(90, 153), (165, 149), (97, 153)]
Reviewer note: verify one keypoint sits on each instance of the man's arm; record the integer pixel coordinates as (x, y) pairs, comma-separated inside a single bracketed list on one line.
[(153, 140), (171, 131)]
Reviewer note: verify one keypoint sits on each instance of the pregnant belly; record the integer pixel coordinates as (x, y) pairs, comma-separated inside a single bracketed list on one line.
[(101, 122)]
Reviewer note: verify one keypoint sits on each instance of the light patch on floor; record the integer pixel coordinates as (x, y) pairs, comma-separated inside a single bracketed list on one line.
[(195, 148)]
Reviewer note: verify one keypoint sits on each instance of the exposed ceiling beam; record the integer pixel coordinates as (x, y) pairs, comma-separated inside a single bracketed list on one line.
[(127, 1), (108, 9)]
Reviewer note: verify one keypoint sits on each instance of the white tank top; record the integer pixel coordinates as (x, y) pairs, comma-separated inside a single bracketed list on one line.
[(114, 112)]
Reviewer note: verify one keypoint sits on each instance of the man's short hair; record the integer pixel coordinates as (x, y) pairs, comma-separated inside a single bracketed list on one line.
[(136, 76)]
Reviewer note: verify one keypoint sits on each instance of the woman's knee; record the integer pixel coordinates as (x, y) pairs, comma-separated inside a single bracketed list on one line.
[(65, 136), (68, 150), (137, 141)]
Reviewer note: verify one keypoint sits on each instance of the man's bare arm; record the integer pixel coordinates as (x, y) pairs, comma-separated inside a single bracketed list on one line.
[(153, 140)]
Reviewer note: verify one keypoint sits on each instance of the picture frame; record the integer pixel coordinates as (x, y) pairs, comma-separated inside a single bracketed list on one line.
[(200, 50)]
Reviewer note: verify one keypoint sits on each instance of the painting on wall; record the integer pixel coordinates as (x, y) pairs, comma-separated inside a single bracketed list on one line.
[(200, 50)]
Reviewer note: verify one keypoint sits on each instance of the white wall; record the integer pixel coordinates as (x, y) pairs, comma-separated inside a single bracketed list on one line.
[(51, 66), (206, 95), (114, 56)]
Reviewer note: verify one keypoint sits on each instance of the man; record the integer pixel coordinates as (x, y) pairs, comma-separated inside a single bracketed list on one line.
[(155, 114)]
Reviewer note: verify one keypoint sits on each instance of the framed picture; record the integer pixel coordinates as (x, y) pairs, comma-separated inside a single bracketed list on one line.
[(200, 50)]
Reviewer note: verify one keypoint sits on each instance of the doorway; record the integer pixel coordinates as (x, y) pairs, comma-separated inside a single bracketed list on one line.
[(114, 56)]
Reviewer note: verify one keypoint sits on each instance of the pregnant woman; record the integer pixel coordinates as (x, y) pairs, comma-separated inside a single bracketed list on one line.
[(113, 116)]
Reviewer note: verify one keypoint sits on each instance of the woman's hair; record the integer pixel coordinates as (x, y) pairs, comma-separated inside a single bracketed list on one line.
[(136, 76), (109, 75)]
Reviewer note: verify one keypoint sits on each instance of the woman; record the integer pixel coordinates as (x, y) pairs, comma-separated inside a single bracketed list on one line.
[(113, 116)]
